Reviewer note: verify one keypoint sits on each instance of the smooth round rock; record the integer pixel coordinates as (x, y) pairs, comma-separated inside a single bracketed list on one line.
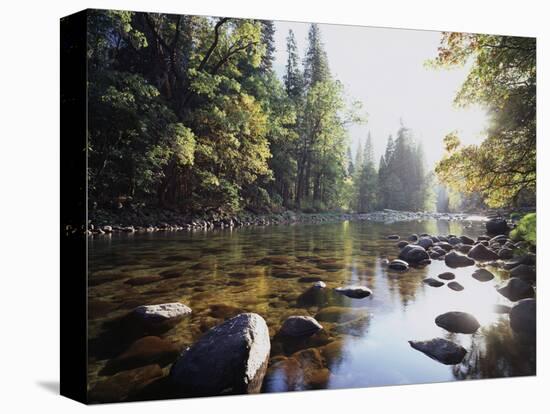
[(457, 287), (446, 276), (433, 282), (483, 275), (300, 326), (516, 289), (454, 259), (458, 322), (413, 254)]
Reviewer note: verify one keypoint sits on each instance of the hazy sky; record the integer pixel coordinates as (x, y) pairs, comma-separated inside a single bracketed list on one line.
[(384, 68)]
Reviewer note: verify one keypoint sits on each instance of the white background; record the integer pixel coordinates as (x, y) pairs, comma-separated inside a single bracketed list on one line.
[(29, 206)]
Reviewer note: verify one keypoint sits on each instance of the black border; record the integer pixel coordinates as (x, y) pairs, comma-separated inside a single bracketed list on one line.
[(73, 168)]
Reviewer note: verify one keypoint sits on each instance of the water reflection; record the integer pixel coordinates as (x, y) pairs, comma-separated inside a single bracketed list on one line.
[(270, 270)]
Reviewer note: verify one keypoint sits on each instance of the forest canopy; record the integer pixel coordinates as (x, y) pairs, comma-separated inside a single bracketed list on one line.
[(187, 113)]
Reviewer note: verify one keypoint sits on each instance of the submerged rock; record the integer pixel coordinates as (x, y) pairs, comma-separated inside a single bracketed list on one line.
[(446, 276), (355, 292), (145, 351), (393, 237), (433, 282), (309, 279), (455, 286), (231, 358), (124, 385), (454, 259), (355, 327), (480, 252), (337, 314), (441, 350), (402, 244), (413, 254), (300, 326), (523, 318), (400, 265), (483, 275), (516, 289), (316, 295), (458, 322)]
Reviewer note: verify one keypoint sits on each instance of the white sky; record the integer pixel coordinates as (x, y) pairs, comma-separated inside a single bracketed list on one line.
[(384, 68)]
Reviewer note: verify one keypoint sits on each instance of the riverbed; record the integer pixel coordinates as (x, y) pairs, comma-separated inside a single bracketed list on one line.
[(221, 273)]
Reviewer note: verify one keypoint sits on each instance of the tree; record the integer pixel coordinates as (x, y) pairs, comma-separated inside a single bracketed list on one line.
[(503, 79), (402, 182)]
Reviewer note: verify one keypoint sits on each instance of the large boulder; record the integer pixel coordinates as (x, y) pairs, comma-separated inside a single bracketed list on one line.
[(458, 322), (413, 254), (454, 259), (523, 317), (516, 289), (355, 292), (300, 326), (230, 358), (497, 226), (482, 253), (442, 350)]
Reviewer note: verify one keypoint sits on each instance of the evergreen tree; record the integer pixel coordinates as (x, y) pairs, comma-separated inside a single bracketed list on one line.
[(349, 162), (316, 67), (359, 161), (293, 77)]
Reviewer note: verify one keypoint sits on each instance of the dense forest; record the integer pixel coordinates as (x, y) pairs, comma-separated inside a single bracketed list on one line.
[(186, 113)]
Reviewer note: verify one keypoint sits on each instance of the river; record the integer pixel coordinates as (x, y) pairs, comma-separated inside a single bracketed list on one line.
[(264, 270)]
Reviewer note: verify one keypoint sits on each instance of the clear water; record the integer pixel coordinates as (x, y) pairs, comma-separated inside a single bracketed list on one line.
[(259, 270)]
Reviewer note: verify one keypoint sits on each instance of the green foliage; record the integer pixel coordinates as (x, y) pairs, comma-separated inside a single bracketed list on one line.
[(503, 79), (187, 113), (526, 229)]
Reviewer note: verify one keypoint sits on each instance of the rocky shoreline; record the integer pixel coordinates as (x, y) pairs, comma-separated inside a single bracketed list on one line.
[(103, 222)]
